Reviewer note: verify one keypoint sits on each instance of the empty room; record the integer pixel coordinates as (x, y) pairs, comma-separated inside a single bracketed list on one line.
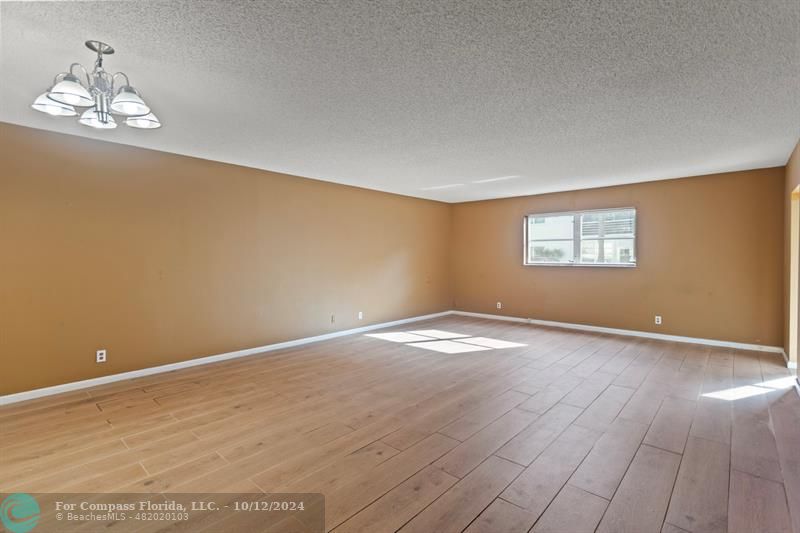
[(347, 266)]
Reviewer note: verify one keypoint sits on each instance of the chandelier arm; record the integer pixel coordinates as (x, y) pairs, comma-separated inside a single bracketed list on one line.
[(113, 78), (60, 74), (86, 72)]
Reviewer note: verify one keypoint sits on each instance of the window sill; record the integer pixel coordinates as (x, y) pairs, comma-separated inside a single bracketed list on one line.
[(578, 265)]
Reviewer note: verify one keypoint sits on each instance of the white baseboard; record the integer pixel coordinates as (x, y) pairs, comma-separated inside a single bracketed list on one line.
[(627, 332), (77, 385)]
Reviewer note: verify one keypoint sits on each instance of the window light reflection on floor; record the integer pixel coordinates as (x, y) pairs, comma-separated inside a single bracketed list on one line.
[(444, 341), (737, 393), (748, 391), (438, 334), (491, 343), (399, 336), (780, 383), (449, 346)]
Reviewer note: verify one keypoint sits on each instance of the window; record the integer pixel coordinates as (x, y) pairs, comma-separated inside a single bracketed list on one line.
[(604, 238)]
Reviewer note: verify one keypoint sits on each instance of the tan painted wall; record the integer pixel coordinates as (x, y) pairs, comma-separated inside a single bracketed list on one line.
[(792, 182), (710, 259), (159, 258)]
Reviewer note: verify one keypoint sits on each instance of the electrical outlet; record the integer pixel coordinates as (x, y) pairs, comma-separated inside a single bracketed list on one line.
[(658, 320), (100, 356), (499, 305), (361, 315)]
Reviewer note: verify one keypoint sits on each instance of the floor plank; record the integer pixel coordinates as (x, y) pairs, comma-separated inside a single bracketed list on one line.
[(552, 394), (466, 456), (401, 504), (592, 387), (670, 428), (757, 504), (669, 528), (753, 448), (700, 499), (573, 510), (460, 505), (641, 501), (471, 423), (713, 420), (603, 469), (349, 499), (536, 487), (604, 410), (528, 444), (502, 517), (785, 416)]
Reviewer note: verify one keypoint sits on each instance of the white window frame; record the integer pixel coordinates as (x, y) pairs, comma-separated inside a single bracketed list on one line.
[(576, 239)]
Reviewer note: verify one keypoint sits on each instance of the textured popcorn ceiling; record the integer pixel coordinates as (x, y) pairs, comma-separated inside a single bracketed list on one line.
[(415, 97)]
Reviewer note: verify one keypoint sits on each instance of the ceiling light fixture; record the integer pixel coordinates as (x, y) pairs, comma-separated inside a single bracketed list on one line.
[(100, 94)]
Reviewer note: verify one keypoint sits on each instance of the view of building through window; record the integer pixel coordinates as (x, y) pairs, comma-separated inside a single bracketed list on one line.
[(606, 237)]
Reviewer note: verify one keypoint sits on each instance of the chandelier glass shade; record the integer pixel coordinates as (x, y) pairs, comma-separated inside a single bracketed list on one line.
[(146, 122), (129, 103), (70, 91), (100, 93), (93, 119), (51, 107)]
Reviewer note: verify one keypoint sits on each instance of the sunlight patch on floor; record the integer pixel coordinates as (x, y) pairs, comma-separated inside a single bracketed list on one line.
[(448, 346), (438, 334), (737, 393), (399, 336), (491, 343), (780, 383), (444, 341), (748, 391)]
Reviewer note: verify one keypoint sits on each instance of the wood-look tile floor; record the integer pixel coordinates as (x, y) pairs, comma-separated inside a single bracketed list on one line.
[(571, 432)]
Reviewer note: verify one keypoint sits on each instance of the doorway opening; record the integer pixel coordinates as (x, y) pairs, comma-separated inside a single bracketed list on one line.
[(794, 278)]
